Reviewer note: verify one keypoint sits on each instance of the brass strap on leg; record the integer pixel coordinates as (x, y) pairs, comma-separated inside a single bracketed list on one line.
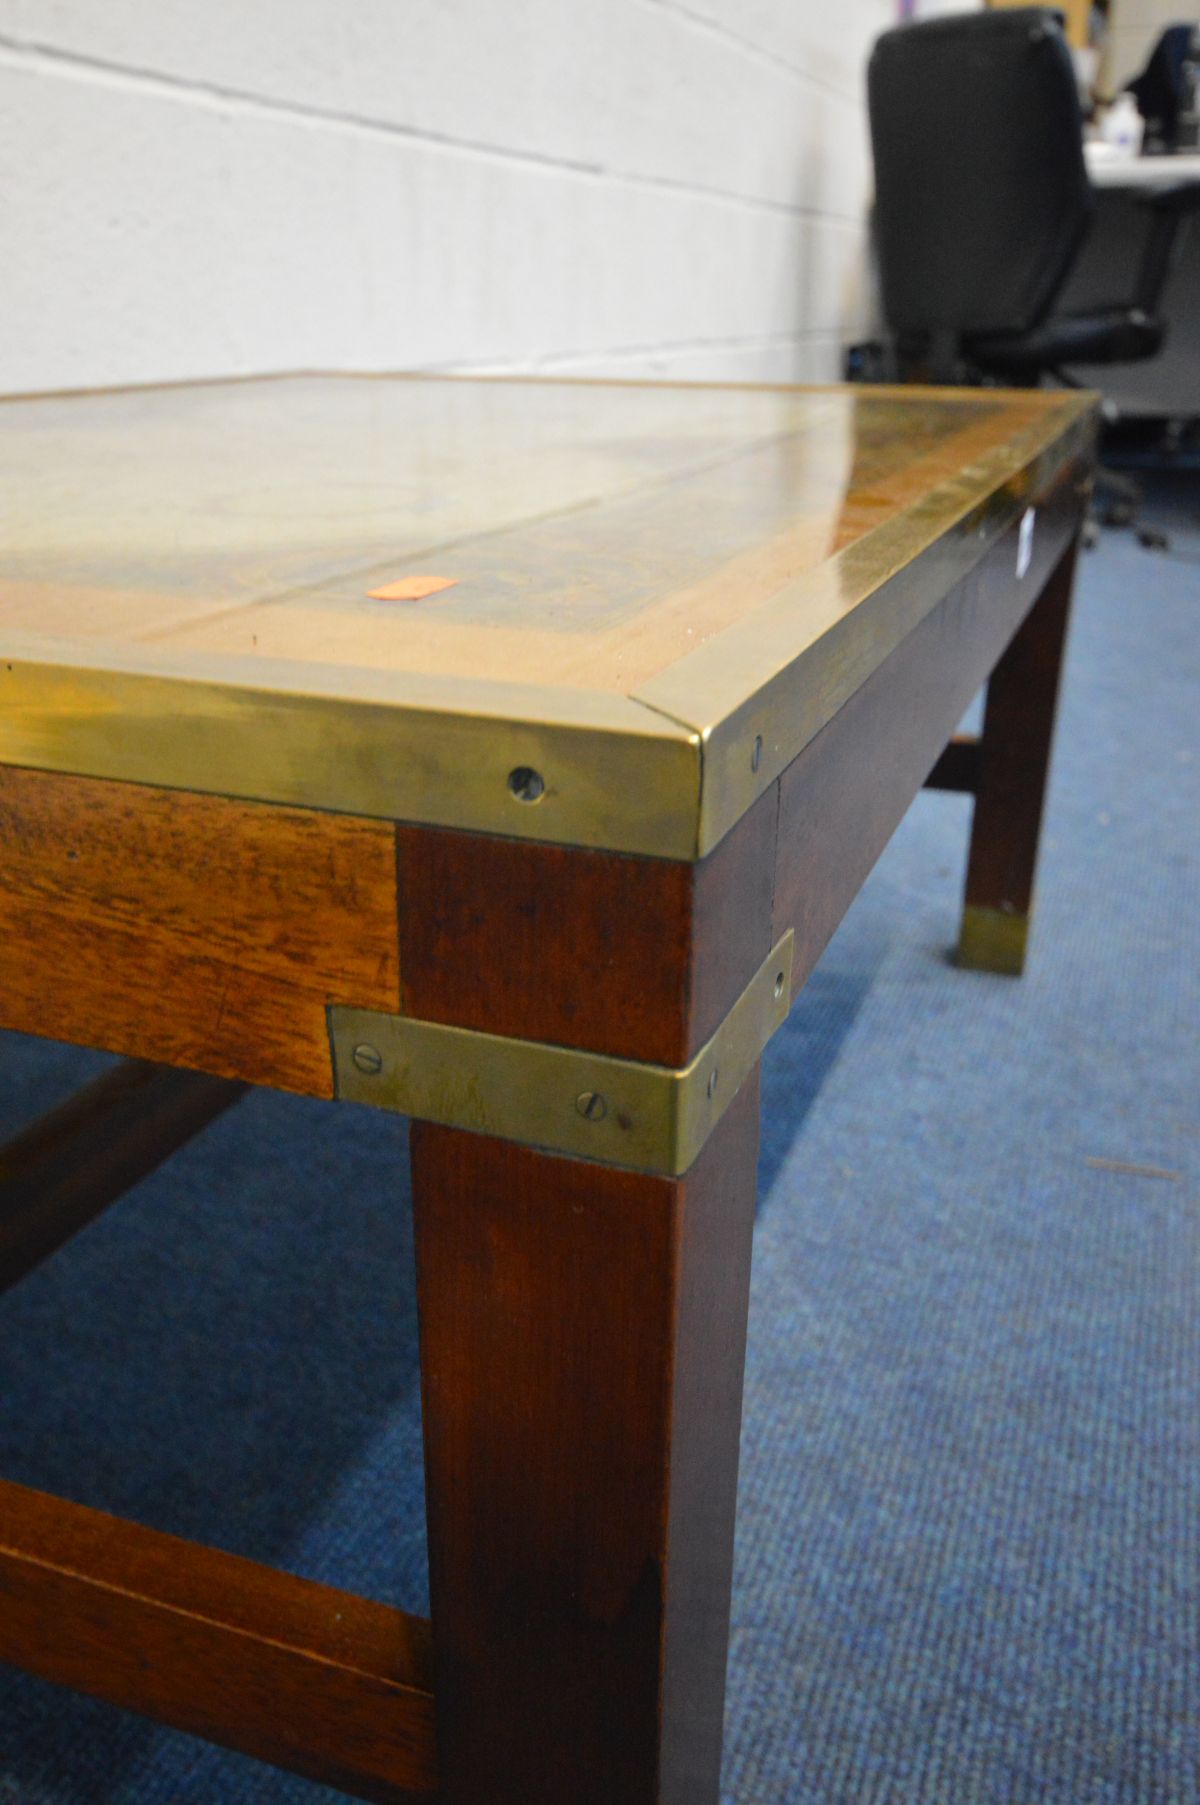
[(618, 1111)]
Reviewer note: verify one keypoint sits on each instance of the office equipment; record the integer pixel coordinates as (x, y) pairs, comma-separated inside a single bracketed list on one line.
[(1122, 126), (540, 857)]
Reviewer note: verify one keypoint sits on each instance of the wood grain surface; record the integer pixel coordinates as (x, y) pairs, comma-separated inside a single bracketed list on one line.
[(65, 1168), (193, 930), (314, 1680), (594, 534), (583, 1335), (640, 958), (841, 800), (1014, 753)]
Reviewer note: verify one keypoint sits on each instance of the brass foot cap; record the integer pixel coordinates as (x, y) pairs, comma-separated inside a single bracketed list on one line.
[(993, 940)]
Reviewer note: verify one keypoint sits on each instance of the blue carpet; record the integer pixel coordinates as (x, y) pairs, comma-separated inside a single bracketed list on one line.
[(968, 1538)]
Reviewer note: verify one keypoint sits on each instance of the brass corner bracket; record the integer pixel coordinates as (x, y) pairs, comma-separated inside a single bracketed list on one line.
[(652, 1118)]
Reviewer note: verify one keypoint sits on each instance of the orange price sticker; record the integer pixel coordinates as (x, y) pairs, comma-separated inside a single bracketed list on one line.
[(410, 589)]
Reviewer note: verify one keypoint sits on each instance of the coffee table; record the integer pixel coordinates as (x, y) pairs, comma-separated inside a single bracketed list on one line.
[(503, 753)]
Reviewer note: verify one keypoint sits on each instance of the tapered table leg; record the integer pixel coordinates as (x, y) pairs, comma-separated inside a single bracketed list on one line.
[(583, 1337), (1014, 763)]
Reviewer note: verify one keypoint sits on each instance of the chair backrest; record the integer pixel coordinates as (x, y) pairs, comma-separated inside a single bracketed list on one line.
[(981, 194), (1158, 90)]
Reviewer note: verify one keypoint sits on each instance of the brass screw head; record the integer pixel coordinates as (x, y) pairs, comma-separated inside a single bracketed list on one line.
[(591, 1106), (526, 784), (368, 1059)]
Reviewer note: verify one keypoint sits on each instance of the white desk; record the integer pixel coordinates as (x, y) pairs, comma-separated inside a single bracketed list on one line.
[(1108, 170)]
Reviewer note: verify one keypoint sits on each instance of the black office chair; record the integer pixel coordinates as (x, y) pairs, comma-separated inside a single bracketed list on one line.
[(982, 201), (1159, 89)]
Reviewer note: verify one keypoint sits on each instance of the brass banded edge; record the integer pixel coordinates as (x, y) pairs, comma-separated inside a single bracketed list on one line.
[(756, 704), (616, 776), (651, 1118)]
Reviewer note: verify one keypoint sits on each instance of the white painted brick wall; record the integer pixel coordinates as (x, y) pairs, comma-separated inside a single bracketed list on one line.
[(203, 187)]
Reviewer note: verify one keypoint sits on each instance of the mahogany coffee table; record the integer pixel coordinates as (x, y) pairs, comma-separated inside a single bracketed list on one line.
[(503, 753)]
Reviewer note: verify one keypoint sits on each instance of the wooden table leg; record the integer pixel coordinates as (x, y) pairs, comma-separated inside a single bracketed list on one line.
[(1014, 762), (583, 1336), (64, 1169)]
